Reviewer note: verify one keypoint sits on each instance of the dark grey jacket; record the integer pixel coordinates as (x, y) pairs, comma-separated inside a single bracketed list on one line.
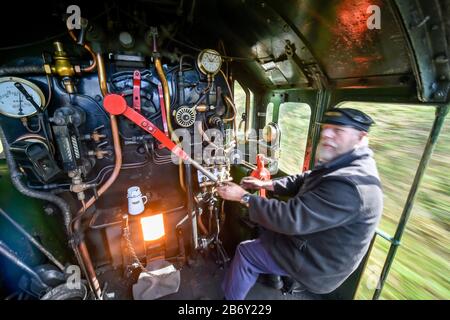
[(321, 234)]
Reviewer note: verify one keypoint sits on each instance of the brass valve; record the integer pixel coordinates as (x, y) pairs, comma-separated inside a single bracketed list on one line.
[(62, 65)]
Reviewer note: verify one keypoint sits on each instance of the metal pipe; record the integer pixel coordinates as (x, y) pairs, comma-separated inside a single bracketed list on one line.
[(182, 252), (233, 107), (180, 175), (101, 71), (94, 61), (82, 248), (230, 102), (166, 92), (441, 113), (89, 49), (199, 126), (247, 111), (197, 166), (22, 188), (190, 205), (7, 71), (32, 240), (7, 252), (202, 226), (115, 135)]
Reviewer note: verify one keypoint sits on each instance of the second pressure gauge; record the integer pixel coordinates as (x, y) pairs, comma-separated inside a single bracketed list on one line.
[(209, 61), (13, 103)]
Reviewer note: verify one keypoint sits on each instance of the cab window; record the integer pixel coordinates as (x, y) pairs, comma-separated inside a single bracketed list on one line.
[(293, 119)]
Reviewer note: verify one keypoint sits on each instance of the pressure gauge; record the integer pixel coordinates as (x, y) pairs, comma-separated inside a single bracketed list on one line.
[(14, 103), (209, 61)]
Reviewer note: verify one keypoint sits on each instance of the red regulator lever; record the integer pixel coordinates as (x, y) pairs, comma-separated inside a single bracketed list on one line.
[(117, 105), (261, 173)]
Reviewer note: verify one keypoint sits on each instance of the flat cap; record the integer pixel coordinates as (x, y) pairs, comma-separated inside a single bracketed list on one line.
[(348, 117)]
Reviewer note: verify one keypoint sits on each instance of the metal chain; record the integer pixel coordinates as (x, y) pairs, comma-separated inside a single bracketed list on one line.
[(126, 235)]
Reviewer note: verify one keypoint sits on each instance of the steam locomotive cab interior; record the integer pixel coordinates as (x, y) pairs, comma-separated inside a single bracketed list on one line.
[(117, 127)]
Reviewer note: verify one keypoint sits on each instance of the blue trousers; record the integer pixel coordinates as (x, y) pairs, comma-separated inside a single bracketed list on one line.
[(250, 259)]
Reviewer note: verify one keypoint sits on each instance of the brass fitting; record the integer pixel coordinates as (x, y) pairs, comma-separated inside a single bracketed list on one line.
[(96, 137), (79, 188), (62, 66), (99, 154), (201, 108), (69, 85)]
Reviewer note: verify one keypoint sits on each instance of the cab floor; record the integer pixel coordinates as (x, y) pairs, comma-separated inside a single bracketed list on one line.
[(200, 280)]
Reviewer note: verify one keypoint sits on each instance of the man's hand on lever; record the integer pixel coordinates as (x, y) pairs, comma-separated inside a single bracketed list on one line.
[(231, 191), (256, 184)]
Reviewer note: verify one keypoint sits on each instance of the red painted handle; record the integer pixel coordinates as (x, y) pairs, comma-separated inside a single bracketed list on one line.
[(117, 105)]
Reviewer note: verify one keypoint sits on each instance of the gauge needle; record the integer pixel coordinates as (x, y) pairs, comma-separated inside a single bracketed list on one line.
[(20, 87), (20, 105)]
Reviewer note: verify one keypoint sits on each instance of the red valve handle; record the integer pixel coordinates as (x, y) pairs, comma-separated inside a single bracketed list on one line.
[(261, 173)]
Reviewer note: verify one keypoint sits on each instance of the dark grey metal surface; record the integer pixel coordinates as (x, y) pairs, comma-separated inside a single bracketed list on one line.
[(201, 280)]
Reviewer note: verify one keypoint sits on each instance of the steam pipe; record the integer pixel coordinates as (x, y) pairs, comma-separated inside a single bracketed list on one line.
[(6, 71), (228, 101), (180, 175), (23, 189), (202, 226), (88, 49), (190, 204), (166, 93), (32, 240), (82, 248), (101, 74)]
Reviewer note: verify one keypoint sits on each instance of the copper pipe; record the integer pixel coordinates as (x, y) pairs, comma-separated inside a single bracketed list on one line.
[(88, 49), (199, 127), (94, 61), (115, 135), (93, 281), (101, 74), (181, 175), (202, 226), (228, 101), (83, 251), (166, 93), (226, 81), (72, 35)]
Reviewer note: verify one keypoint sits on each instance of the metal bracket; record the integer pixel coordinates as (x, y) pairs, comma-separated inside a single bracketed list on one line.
[(137, 91)]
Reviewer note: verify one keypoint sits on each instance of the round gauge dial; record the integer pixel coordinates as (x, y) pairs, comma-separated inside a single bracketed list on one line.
[(13, 102), (270, 133), (209, 61)]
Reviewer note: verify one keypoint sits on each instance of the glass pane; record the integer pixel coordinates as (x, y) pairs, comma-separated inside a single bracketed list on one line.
[(421, 268), (239, 100), (294, 118), (269, 113)]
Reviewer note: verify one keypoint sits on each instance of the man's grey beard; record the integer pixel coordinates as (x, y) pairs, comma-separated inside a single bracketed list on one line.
[(325, 155)]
